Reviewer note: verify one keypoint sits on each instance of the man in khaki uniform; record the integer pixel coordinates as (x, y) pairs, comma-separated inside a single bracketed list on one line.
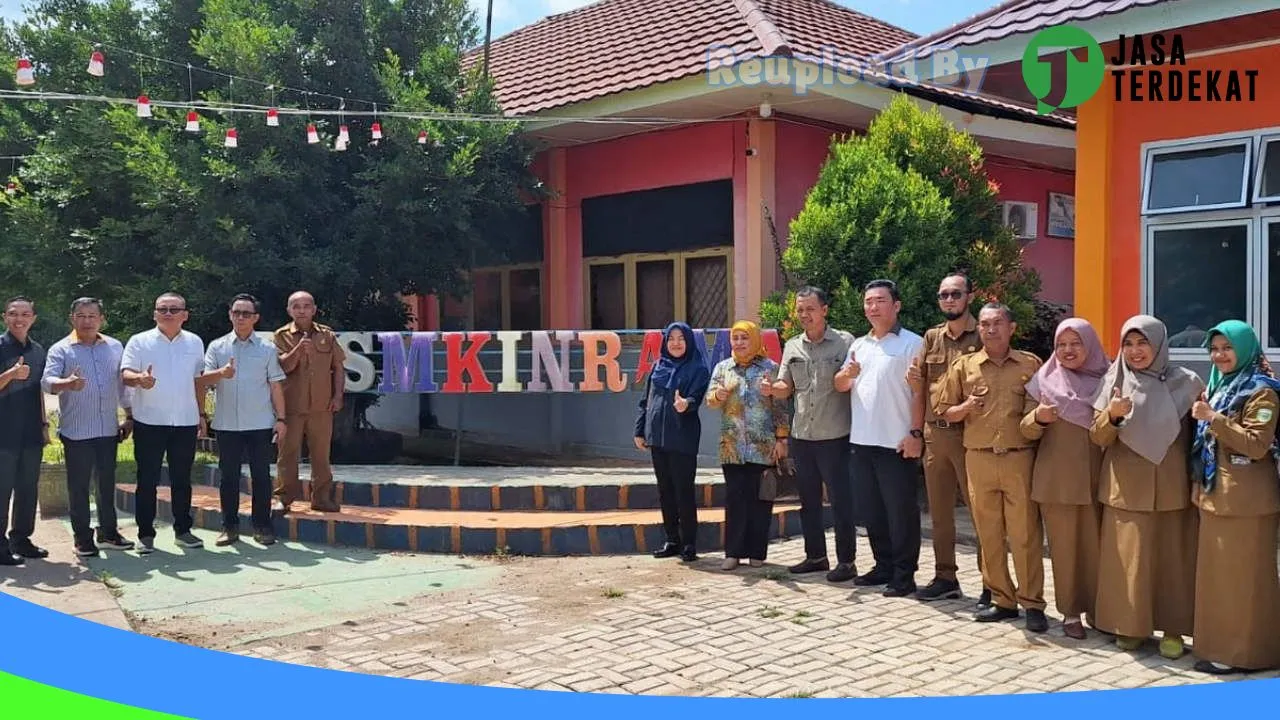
[(987, 391), (313, 389), (944, 472)]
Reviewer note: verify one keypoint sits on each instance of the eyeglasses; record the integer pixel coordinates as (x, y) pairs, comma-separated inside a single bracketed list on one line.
[(170, 310), (243, 313), (950, 295)]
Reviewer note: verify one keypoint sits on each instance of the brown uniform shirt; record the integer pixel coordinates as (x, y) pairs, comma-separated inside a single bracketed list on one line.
[(1246, 485), (1068, 463), (308, 383), (937, 354), (997, 424), (1131, 482)]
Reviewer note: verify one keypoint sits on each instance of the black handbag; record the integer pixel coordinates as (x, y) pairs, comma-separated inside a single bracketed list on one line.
[(779, 482)]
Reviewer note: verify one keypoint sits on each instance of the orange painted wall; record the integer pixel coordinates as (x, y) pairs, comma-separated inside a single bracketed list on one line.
[(1052, 257), (1138, 123)]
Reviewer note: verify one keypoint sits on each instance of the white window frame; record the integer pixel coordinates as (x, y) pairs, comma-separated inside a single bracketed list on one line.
[(1268, 218), (1151, 151), (1264, 141)]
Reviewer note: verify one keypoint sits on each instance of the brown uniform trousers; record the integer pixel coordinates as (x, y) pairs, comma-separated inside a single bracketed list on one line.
[(1237, 588), (998, 461), (945, 480), (308, 390)]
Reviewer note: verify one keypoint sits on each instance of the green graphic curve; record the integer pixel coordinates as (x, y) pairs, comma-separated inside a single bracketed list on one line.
[(34, 700)]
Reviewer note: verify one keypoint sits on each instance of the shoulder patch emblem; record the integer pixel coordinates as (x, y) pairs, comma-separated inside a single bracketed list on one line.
[(1264, 415), (972, 348)]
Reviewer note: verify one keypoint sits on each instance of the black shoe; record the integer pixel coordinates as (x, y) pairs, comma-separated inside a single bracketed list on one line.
[(146, 545), (114, 542), (1036, 621), (1212, 668), (667, 550), (899, 589), (29, 550), (810, 565), (984, 600), (264, 537), (940, 590), (8, 559), (843, 572), (86, 550), (875, 577), (995, 613), (688, 554)]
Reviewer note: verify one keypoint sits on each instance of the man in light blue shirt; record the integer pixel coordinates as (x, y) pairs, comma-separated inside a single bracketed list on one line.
[(83, 370), (248, 416)]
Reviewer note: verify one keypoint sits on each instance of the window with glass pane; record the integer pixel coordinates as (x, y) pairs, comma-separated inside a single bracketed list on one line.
[(706, 291), (655, 294), (488, 300), (608, 297), (526, 299), (453, 314), (1199, 278), (1269, 187), (1193, 179), (1272, 288)]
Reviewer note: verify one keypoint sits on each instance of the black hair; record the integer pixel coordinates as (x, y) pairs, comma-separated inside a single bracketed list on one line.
[(889, 285), (257, 306), (811, 291), (82, 301), (1000, 307)]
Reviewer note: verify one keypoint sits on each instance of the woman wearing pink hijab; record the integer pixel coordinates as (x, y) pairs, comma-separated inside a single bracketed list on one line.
[(1064, 483)]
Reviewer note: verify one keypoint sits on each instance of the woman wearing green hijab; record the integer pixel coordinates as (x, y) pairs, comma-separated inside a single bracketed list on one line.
[(1237, 620)]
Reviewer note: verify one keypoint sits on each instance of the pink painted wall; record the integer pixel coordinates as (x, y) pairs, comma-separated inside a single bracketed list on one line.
[(682, 156), (802, 150), (1053, 258)]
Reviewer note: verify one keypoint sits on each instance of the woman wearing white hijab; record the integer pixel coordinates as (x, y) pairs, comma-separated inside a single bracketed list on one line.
[(1146, 572)]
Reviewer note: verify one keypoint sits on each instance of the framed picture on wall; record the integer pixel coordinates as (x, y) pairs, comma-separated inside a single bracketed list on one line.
[(1023, 218), (1062, 216)]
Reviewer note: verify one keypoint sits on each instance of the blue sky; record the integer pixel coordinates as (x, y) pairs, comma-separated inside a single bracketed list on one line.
[(919, 16)]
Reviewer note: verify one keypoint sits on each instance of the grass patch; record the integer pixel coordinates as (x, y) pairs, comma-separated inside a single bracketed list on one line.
[(114, 586), (125, 462), (801, 617), (768, 611), (776, 574), (613, 593), (799, 694)]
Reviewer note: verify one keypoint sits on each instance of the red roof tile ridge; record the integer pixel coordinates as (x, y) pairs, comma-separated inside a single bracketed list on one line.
[(926, 40), (770, 37)]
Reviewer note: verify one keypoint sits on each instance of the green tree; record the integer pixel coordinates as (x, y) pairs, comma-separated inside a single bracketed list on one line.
[(855, 245), (125, 208)]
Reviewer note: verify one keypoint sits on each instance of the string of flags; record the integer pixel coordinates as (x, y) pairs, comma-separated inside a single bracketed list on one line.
[(25, 76)]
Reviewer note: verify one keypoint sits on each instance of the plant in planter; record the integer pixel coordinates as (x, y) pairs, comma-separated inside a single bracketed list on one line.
[(52, 488)]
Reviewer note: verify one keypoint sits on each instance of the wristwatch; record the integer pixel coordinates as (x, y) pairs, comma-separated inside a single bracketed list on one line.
[(917, 433)]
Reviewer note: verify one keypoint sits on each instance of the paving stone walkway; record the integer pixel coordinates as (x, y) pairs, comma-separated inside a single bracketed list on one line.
[(646, 626)]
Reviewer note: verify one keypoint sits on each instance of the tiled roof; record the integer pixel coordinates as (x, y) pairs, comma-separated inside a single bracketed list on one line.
[(1016, 17), (616, 45)]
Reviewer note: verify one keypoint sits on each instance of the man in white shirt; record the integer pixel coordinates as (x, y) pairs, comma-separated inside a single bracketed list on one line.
[(886, 440), (163, 366)]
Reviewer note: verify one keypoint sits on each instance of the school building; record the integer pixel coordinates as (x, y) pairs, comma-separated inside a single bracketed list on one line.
[(1178, 158), (677, 163)]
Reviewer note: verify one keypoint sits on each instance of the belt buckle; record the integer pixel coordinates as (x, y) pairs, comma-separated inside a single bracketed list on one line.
[(941, 424), (999, 451)]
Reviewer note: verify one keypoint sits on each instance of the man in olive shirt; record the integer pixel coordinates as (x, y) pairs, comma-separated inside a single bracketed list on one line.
[(819, 433), (944, 471), (313, 388), (987, 390)]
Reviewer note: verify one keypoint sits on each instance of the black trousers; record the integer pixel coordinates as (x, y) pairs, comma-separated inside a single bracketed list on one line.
[(820, 462), (886, 486), (85, 459), (746, 516), (19, 480), (152, 446), (675, 473), (233, 449)]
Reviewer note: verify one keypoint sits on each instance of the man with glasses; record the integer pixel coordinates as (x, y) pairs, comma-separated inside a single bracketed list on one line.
[(24, 431), (248, 412), (944, 468), (83, 371), (163, 366)]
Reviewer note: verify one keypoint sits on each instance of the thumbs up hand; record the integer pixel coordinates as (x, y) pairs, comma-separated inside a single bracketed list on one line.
[(148, 379), (20, 370), (1119, 406), (229, 370), (851, 370), (1202, 410), (1046, 414), (915, 376), (681, 403), (75, 381)]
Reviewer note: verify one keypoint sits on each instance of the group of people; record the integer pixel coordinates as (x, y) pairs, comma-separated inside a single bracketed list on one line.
[(1158, 494), (269, 397)]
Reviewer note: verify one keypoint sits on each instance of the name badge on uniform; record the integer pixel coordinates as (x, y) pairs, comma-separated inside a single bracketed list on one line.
[(1241, 460), (1264, 415)]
